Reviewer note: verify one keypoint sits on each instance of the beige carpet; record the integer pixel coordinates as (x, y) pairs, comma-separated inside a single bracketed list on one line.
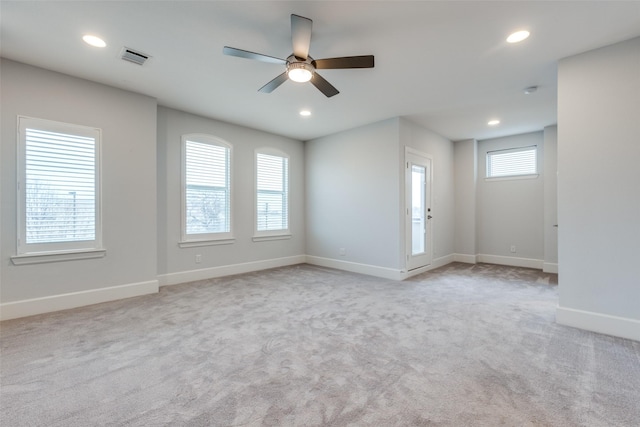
[(463, 345)]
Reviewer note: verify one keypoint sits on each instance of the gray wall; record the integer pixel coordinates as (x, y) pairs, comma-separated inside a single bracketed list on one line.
[(355, 189), (598, 189), (174, 260), (441, 151), (511, 211), (466, 181), (128, 123), (551, 199), (352, 195)]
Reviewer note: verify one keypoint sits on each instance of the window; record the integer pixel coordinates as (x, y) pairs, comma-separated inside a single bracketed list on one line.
[(512, 162), (58, 187), (206, 189), (272, 193)]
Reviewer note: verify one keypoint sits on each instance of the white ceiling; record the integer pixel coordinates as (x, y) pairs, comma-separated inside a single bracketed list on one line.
[(445, 65)]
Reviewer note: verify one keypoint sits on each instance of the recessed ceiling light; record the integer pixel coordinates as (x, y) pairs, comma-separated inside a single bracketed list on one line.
[(93, 40), (493, 122), (305, 113), (518, 36)]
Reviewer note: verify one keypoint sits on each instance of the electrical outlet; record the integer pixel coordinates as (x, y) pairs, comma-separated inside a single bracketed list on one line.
[(513, 249), (342, 251), (198, 259)]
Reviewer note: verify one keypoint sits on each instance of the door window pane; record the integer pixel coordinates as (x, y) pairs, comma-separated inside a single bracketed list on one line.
[(418, 211)]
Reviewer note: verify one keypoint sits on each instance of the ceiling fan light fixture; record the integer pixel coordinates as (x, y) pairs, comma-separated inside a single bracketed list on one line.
[(300, 71)]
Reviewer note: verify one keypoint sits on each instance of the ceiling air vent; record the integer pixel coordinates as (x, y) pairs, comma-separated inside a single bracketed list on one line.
[(133, 56)]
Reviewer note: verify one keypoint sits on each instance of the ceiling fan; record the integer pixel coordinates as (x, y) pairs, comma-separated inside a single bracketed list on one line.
[(301, 67)]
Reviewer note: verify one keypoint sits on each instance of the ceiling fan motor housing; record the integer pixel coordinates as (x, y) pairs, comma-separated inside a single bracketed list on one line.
[(299, 71), (301, 67)]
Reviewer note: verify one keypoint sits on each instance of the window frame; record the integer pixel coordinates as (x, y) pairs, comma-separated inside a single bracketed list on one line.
[(204, 239), (282, 233), (31, 253), (524, 175)]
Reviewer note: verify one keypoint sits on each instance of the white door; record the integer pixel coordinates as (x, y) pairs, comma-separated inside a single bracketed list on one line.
[(418, 209)]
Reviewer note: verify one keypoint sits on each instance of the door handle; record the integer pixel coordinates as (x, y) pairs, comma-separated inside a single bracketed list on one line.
[(429, 217)]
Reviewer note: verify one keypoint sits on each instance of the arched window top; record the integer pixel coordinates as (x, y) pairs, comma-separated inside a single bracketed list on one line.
[(272, 152), (206, 139)]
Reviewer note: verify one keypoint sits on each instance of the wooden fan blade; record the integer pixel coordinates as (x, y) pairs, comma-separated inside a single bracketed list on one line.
[(232, 51), (323, 86), (273, 84), (301, 35), (363, 61)]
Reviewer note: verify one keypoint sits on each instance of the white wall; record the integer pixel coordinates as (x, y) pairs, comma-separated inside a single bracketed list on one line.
[(466, 181), (176, 264), (599, 189), (511, 211), (353, 199), (128, 123)]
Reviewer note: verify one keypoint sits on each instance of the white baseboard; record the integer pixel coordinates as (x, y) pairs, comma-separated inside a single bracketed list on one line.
[(598, 322), (547, 267), (30, 307), (511, 261), (354, 267), (466, 258), (438, 262), (550, 267), (374, 270), (442, 261), (227, 270)]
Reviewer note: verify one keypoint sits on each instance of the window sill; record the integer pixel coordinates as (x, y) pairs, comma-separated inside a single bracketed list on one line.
[(44, 257), (271, 237), (512, 177), (199, 243)]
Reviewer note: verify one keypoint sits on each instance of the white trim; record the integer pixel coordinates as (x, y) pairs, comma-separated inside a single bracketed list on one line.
[(623, 327), (227, 270), (466, 258), (354, 267), (436, 263), (374, 270), (272, 237), (206, 242), (24, 248), (274, 152), (550, 267), (511, 261), (222, 238), (30, 307), (512, 177), (43, 257), (516, 150), (443, 260), (413, 156)]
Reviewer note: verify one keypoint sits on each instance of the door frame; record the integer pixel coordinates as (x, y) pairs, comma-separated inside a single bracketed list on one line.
[(413, 156)]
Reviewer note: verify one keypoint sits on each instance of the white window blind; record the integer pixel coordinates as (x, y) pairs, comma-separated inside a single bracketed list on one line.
[(207, 188), (272, 186), (59, 192), (512, 162)]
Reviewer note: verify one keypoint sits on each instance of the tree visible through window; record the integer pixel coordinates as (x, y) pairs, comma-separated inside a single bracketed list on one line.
[(59, 200), (207, 188)]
